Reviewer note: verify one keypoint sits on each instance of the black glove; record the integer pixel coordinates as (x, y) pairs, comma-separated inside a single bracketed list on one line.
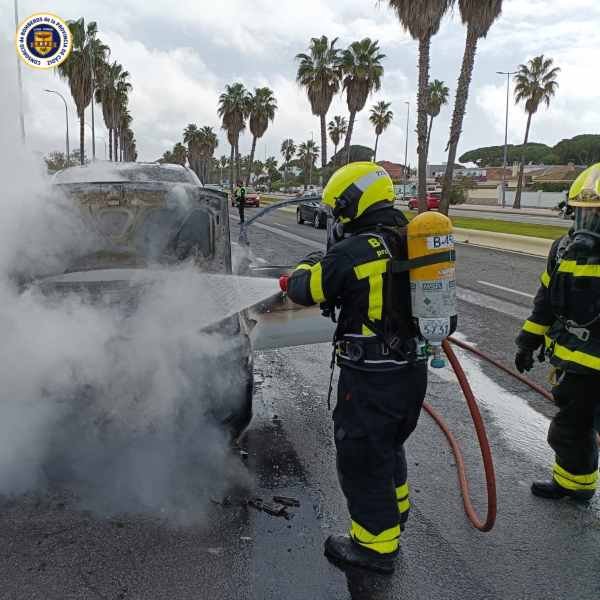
[(524, 360), (312, 259)]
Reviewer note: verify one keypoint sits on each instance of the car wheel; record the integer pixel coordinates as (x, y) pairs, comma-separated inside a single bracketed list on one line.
[(317, 221), (299, 218)]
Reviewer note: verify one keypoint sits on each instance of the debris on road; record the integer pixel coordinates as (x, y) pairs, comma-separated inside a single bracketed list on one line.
[(276, 511), (256, 503), (286, 501)]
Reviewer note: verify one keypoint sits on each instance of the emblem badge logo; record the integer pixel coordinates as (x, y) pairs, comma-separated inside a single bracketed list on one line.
[(43, 41)]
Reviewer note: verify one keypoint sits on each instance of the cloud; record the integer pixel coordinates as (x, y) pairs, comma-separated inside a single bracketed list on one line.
[(182, 56)]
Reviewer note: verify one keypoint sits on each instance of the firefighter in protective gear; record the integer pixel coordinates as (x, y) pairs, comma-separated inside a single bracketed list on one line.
[(383, 370), (240, 199), (565, 323)]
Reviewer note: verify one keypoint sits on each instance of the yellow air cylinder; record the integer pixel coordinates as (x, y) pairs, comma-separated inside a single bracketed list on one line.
[(433, 287)]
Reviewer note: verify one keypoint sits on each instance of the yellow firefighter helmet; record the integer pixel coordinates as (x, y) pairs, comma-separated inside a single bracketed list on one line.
[(357, 188), (585, 191)]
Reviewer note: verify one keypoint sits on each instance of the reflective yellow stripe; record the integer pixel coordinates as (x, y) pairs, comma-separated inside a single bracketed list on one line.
[(316, 280), (373, 271), (545, 279), (571, 266), (531, 327), (402, 497), (574, 356), (384, 543), (575, 482), (316, 283)]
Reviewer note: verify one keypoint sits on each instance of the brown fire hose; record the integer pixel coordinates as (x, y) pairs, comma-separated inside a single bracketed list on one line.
[(486, 452), (480, 430)]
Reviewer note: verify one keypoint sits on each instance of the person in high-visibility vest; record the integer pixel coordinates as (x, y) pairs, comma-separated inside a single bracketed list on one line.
[(240, 199), (383, 369), (565, 325)]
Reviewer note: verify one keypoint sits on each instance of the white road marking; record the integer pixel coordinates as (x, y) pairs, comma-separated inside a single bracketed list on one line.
[(281, 225), (507, 289)]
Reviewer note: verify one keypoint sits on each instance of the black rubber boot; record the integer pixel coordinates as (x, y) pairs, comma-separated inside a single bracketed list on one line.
[(343, 549), (553, 491)]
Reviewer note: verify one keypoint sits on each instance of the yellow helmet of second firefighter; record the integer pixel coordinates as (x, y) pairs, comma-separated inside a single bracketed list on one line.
[(356, 188), (585, 191)]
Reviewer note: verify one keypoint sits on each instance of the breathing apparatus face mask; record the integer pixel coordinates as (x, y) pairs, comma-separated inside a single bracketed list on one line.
[(586, 233), (335, 227), (587, 220)]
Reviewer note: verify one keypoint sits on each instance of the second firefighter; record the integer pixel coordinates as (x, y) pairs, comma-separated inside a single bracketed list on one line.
[(565, 324)]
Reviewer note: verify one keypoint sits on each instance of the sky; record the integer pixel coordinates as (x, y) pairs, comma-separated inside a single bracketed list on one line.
[(182, 54)]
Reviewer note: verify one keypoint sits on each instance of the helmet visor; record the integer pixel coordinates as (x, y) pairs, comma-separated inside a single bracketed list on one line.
[(587, 219)]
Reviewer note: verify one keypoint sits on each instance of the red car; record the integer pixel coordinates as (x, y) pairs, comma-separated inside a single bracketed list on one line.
[(252, 199), (433, 201)]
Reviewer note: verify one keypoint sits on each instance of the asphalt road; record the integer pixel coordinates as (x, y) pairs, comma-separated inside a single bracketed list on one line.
[(52, 549)]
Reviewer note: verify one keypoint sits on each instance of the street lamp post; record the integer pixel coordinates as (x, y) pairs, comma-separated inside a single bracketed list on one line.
[(94, 136), (20, 80), (508, 74), (68, 156), (406, 149)]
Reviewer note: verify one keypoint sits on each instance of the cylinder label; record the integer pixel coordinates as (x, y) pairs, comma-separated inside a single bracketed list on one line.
[(436, 242)]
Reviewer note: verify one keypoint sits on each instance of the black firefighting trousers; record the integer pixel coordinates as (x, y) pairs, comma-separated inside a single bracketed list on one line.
[(374, 416), (572, 433)]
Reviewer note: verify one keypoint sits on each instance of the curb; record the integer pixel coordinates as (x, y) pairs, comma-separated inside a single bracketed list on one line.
[(493, 240), (504, 241)]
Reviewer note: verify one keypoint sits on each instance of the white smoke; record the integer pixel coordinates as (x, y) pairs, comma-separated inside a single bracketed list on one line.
[(119, 410)]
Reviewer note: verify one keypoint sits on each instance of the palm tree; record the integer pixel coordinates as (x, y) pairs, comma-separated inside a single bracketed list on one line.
[(381, 117), (112, 87), (308, 152), (179, 154), (120, 110), (271, 167), (233, 110), (128, 144), (193, 139), (422, 20), (125, 120), (338, 127), (208, 144), (223, 163), (262, 107), (288, 149), (87, 52), (362, 71), (167, 157), (535, 83), (319, 73), (437, 96), (478, 16)]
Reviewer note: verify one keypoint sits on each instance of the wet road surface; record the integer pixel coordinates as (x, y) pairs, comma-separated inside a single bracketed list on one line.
[(53, 550)]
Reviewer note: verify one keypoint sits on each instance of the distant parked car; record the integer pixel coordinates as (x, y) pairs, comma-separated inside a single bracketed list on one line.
[(433, 201), (252, 198), (313, 211)]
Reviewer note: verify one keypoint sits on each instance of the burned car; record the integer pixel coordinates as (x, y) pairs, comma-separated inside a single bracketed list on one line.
[(156, 226)]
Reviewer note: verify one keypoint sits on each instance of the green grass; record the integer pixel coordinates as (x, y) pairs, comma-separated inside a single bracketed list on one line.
[(550, 232)]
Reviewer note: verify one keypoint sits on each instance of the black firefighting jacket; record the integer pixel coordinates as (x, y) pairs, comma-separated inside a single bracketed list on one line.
[(352, 275), (566, 312)]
